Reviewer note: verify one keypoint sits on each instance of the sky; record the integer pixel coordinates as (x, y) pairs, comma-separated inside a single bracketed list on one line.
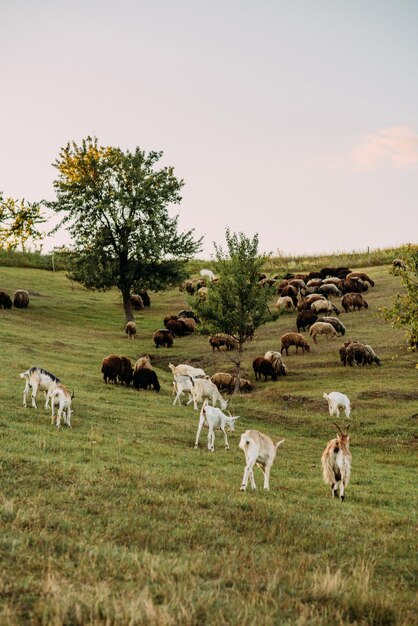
[(293, 119)]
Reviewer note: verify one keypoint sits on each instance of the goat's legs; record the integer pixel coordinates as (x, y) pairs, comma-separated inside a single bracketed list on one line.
[(199, 430)]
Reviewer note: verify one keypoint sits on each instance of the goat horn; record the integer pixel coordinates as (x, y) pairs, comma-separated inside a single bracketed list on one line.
[(338, 427)]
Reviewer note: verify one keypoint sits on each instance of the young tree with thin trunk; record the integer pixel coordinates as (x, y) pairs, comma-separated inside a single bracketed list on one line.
[(116, 209), (19, 221), (236, 304)]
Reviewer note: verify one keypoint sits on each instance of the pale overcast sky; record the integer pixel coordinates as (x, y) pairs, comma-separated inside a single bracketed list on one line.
[(296, 119)]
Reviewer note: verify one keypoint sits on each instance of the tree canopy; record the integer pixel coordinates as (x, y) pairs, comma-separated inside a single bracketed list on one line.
[(236, 304), (116, 210), (19, 221)]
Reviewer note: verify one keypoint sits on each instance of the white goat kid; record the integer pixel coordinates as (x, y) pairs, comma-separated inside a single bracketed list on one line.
[(259, 450), (38, 379), (337, 401), (63, 397), (183, 384), (213, 418)]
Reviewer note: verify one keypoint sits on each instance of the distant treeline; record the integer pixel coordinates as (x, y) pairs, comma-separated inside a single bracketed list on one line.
[(276, 264)]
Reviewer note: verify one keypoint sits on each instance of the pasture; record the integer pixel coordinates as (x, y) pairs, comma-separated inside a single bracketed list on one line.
[(120, 521)]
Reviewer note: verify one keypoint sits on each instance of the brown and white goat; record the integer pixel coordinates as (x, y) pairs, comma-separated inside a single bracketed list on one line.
[(336, 462)]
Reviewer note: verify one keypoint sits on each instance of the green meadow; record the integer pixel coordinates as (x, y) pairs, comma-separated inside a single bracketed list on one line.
[(120, 521)]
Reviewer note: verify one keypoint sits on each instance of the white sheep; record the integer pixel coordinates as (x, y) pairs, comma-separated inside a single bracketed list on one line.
[(214, 419), (337, 400), (322, 328), (285, 302), (259, 450)]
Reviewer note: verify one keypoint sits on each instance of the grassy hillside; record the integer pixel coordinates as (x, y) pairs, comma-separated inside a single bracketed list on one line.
[(121, 521)]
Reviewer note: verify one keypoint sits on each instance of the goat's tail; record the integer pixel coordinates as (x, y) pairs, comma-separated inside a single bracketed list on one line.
[(279, 443), (72, 394)]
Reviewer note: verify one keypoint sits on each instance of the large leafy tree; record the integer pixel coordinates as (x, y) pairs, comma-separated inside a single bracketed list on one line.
[(19, 221), (116, 209), (236, 304), (404, 310)]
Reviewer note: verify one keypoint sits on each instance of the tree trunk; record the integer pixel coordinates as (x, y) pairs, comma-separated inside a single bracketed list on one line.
[(127, 305), (238, 370)]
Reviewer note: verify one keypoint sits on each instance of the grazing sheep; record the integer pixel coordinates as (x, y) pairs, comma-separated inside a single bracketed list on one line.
[(294, 339), (136, 301), (328, 271), (351, 301), (207, 274), (144, 362), (5, 300), (245, 385), (333, 280), (259, 450), (38, 379), (189, 314), (214, 419), (203, 293), (371, 355), (399, 264), (222, 380), (286, 303), (322, 328), (220, 340), (329, 290), (145, 297), (305, 319), (178, 327), (186, 370), (277, 362), (360, 354), (336, 462), (163, 337), (352, 285), (362, 276), (334, 321), (343, 352), (262, 367), (145, 378), (337, 400), (116, 368), (130, 330), (21, 299), (325, 307), (63, 397)]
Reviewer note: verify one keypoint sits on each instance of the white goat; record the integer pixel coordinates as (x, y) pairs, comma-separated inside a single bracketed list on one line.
[(183, 384), (207, 274), (186, 370), (203, 388), (337, 400), (214, 419), (63, 397), (259, 450), (336, 462), (38, 379)]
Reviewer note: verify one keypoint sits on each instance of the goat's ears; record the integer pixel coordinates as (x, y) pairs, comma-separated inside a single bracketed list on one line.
[(235, 418), (347, 426)]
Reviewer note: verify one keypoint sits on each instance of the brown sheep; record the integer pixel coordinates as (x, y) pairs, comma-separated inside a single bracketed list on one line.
[(163, 337), (144, 362), (136, 301), (222, 380), (5, 300), (343, 352), (263, 367), (21, 299), (115, 367), (361, 354), (244, 385), (178, 327), (352, 285), (130, 330), (305, 319), (353, 300), (294, 339), (190, 324), (362, 277), (222, 339), (322, 328)]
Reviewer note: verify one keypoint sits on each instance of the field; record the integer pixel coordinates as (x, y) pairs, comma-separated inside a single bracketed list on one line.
[(120, 521)]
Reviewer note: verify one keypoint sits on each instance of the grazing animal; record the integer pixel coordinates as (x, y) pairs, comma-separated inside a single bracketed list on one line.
[(259, 450), (207, 274), (130, 330), (325, 307), (294, 339), (178, 327), (117, 368), (143, 362), (329, 290), (5, 300), (145, 297), (222, 380), (186, 370), (214, 419), (136, 301), (21, 299), (343, 351), (245, 385), (38, 379), (203, 388), (183, 384), (399, 263), (362, 276), (62, 396), (360, 354), (163, 337), (337, 400), (189, 314), (263, 367), (322, 328), (222, 339), (334, 321), (145, 378), (336, 462), (277, 362), (189, 323), (351, 301), (286, 303), (352, 285), (305, 319)]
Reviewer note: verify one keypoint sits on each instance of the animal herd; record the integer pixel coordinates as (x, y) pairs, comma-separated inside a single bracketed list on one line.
[(20, 299)]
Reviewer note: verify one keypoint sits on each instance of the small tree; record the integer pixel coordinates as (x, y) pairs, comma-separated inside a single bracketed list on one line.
[(404, 311), (236, 304), (116, 208), (19, 221)]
